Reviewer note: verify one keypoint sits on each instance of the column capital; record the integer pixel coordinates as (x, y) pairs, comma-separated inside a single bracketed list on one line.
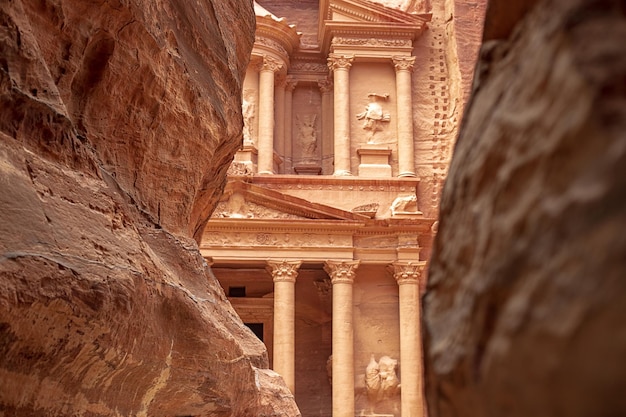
[(269, 64), (290, 83), (407, 272), (326, 86), (283, 271), (336, 61), (403, 63), (341, 272)]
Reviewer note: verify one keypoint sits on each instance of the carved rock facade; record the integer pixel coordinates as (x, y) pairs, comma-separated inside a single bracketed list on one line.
[(341, 177)]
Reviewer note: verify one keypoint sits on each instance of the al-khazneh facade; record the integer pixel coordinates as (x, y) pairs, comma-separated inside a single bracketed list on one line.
[(322, 235)]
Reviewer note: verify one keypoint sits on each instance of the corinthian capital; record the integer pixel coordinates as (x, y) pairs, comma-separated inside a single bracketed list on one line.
[(407, 272), (269, 64), (339, 61), (325, 85), (285, 271), (341, 272), (403, 63)]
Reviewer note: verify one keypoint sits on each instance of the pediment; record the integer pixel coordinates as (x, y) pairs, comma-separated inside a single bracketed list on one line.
[(242, 200), (367, 11)]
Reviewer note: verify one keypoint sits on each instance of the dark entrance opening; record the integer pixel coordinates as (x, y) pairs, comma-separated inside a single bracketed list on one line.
[(257, 329)]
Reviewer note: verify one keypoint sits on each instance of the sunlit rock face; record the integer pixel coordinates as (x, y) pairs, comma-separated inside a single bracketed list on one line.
[(118, 120), (525, 308)]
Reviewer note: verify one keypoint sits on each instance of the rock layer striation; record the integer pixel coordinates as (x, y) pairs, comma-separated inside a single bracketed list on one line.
[(524, 313), (118, 120)]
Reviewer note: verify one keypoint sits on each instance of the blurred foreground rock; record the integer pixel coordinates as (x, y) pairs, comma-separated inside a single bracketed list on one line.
[(117, 123), (526, 302)]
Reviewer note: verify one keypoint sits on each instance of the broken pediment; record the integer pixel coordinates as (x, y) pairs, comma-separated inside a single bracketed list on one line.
[(242, 200), (368, 11), (363, 20)]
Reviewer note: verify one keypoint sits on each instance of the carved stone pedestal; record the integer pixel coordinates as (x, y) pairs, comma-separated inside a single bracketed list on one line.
[(308, 169), (248, 156), (374, 161)]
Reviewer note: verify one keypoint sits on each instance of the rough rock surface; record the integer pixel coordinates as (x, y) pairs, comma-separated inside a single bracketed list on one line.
[(117, 120), (524, 314)]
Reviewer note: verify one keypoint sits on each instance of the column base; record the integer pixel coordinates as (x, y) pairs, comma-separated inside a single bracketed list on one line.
[(307, 169), (342, 173)]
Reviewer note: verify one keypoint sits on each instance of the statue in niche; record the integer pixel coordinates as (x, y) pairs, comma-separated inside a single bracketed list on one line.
[(381, 381), (307, 135), (247, 108), (373, 117)]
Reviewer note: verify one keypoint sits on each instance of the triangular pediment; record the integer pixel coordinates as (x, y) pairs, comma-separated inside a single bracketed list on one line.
[(242, 200)]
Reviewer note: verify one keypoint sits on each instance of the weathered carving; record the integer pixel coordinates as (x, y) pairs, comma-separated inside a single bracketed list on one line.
[(280, 240), (337, 61), (248, 110), (308, 67), (381, 381), (237, 208), (367, 209), (307, 135), (373, 116), (403, 63), (240, 169), (325, 85), (323, 287), (272, 44), (371, 42), (270, 64), (290, 83), (405, 205)]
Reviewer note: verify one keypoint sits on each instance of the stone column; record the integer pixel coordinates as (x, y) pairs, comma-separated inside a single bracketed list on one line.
[(407, 275), (265, 142), (340, 65), (326, 87), (406, 151), (290, 85), (279, 115), (284, 275), (342, 275)]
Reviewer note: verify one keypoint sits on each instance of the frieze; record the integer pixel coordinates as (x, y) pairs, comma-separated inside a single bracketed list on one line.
[(279, 240), (272, 44), (371, 42), (308, 67)]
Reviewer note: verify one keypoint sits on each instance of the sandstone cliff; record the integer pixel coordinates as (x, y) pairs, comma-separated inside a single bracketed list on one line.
[(117, 122), (524, 314)]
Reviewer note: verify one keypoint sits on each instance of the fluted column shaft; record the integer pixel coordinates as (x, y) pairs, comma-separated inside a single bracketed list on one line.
[(407, 275), (284, 276), (342, 277), (340, 65), (266, 115), (406, 147)]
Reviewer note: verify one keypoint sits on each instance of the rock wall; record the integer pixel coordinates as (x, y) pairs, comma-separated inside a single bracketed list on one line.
[(524, 313), (117, 123)]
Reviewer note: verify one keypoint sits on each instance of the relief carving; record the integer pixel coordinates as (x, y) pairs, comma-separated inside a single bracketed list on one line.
[(374, 117), (307, 135), (405, 205), (372, 42), (248, 110), (381, 382)]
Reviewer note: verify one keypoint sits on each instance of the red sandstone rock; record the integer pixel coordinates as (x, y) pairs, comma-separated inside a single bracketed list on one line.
[(526, 302), (117, 123)]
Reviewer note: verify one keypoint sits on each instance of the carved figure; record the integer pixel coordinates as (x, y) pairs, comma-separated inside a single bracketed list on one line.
[(307, 135), (248, 108), (373, 115), (381, 381), (405, 205)]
